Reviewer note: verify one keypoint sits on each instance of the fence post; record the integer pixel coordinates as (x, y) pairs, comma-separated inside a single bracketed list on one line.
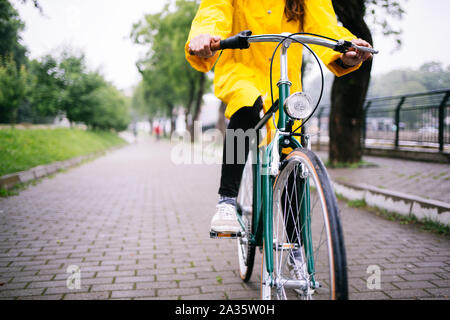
[(441, 121), (397, 121), (364, 124)]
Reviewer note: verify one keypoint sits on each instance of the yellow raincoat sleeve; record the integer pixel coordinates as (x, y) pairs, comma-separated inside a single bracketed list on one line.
[(214, 17), (320, 18)]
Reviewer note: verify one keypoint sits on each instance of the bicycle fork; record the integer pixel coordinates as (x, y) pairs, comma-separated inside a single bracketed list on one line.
[(303, 188)]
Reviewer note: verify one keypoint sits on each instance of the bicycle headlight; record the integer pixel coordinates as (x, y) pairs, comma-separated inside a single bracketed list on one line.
[(299, 105)]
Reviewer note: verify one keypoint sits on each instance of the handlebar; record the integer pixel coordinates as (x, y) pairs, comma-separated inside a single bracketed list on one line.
[(243, 39)]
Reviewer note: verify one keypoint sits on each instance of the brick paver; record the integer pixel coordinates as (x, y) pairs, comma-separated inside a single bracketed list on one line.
[(137, 226)]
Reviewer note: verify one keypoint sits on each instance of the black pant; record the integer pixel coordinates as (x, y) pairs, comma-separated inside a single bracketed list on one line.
[(245, 118)]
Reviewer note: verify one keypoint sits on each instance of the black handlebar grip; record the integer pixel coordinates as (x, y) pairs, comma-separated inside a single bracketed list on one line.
[(239, 41), (342, 46)]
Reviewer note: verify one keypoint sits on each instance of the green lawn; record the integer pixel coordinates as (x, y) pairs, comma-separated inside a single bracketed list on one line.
[(23, 149)]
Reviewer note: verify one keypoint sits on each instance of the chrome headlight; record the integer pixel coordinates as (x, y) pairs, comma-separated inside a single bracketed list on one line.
[(299, 105)]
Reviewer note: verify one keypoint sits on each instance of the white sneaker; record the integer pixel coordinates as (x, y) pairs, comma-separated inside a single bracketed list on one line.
[(225, 220)]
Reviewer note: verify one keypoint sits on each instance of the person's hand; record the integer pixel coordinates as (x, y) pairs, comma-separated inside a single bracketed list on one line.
[(354, 57), (201, 45)]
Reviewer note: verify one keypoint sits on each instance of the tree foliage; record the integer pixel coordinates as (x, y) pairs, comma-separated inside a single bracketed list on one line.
[(12, 88), (111, 109), (429, 76), (52, 85), (168, 79), (83, 96), (45, 86), (379, 14), (10, 27)]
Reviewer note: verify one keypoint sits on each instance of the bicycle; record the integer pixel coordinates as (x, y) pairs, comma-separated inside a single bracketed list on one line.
[(286, 203)]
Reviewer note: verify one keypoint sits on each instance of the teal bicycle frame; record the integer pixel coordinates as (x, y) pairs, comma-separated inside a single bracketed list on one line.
[(263, 183)]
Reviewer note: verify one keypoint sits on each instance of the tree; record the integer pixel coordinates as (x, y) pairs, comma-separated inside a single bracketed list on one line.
[(169, 79), (33, 90), (44, 87), (77, 86), (348, 92), (66, 85), (110, 111), (433, 76)]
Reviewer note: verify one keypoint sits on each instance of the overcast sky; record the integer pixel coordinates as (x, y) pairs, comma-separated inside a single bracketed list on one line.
[(101, 29)]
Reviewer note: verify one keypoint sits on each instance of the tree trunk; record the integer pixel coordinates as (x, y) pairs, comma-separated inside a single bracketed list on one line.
[(190, 101), (198, 103), (150, 125), (173, 120), (348, 92), (221, 125)]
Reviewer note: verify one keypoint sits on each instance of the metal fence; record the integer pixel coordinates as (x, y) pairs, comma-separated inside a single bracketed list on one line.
[(413, 120)]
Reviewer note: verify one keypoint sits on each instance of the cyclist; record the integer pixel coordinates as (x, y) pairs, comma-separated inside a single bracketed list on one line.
[(240, 77)]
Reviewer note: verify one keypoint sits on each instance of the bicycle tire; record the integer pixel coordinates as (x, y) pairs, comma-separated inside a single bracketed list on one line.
[(246, 251), (335, 287)]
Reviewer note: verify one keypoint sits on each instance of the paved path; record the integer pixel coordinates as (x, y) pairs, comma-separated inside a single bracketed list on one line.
[(137, 226)]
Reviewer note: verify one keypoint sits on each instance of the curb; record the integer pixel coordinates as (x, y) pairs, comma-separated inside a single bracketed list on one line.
[(423, 155), (394, 201), (409, 154), (10, 180)]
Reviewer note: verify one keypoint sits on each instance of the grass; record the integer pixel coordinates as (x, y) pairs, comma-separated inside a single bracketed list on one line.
[(14, 191), (357, 203), (24, 149), (424, 224), (441, 175), (340, 197)]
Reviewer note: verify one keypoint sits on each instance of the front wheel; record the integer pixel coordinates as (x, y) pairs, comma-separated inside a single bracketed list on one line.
[(308, 247)]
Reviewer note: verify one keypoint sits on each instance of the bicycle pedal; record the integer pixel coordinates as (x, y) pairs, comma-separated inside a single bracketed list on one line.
[(224, 235)]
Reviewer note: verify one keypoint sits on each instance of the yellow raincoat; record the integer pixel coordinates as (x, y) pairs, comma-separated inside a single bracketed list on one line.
[(241, 76)]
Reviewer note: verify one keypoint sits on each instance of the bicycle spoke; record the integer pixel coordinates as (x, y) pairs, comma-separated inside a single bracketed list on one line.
[(297, 226)]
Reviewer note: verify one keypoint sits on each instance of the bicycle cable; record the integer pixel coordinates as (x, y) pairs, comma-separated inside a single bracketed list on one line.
[(289, 37), (313, 54)]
